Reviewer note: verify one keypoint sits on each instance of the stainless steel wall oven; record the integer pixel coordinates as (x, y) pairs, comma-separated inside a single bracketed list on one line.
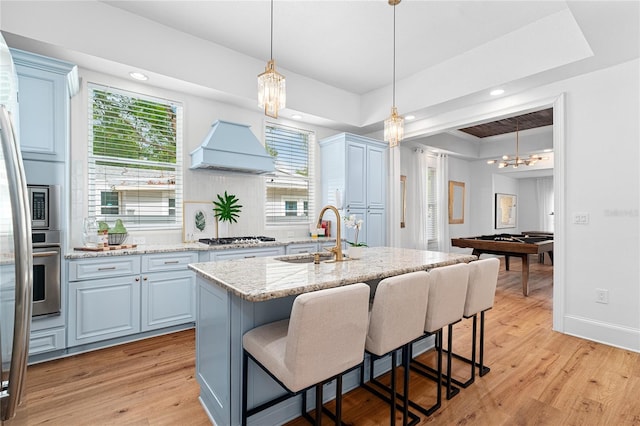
[(45, 238)]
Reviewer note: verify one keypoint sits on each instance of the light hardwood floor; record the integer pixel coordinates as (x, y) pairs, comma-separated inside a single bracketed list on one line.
[(538, 377)]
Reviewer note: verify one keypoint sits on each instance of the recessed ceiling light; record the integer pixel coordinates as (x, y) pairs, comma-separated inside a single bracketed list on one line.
[(547, 150), (138, 76), (296, 116), (496, 92), (410, 117)]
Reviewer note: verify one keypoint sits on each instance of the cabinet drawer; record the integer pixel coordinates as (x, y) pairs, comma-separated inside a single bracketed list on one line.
[(168, 261), (46, 340), (246, 253), (302, 248), (104, 267)]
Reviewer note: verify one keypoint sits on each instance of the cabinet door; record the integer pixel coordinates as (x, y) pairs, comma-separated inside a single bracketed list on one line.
[(376, 177), (43, 113), (355, 196), (375, 222), (168, 298), (103, 309)]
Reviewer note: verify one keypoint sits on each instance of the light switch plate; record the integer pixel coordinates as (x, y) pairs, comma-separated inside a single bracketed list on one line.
[(581, 218)]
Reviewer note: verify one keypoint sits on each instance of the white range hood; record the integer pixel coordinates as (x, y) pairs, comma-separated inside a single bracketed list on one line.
[(232, 147)]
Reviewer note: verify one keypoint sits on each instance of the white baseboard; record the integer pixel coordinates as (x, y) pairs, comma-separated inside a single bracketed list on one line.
[(609, 334)]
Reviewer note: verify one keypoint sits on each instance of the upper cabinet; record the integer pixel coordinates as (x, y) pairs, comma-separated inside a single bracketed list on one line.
[(44, 88), (353, 171)]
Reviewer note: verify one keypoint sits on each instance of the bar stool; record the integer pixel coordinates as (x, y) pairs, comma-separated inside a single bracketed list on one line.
[(396, 319), (445, 306), (323, 338), (481, 291)]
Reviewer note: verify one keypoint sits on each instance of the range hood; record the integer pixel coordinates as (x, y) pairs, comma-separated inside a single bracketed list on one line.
[(232, 147)]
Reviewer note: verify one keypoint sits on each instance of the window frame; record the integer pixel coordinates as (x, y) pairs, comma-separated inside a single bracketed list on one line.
[(172, 190), (309, 200)]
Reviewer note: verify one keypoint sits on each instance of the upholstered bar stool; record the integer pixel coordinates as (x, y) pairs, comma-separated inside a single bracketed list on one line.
[(396, 319), (447, 294), (481, 291), (323, 338)]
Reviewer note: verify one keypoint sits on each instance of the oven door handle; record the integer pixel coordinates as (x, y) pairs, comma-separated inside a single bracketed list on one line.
[(45, 253)]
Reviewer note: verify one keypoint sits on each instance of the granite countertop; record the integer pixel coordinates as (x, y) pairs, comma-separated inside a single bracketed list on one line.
[(263, 278), (194, 246)]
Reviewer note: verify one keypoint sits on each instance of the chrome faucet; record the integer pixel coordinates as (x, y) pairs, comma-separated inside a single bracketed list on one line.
[(337, 250)]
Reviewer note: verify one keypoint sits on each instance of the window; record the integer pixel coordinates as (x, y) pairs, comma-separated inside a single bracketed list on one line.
[(433, 238), (290, 192), (134, 144)]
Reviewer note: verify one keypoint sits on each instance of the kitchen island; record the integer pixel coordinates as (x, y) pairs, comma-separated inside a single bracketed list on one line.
[(234, 296)]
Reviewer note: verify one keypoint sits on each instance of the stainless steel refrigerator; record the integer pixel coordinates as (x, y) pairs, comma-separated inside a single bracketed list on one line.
[(16, 265)]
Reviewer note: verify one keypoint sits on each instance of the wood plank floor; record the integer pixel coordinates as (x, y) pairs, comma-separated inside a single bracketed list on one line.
[(537, 377)]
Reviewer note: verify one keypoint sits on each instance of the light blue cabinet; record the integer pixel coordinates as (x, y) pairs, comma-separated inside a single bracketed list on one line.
[(118, 296), (103, 309), (246, 253), (43, 92), (354, 168)]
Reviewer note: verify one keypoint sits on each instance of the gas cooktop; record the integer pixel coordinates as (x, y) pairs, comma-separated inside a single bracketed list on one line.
[(235, 240)]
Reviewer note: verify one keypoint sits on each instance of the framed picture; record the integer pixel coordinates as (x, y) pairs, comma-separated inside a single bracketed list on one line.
[(505, 211), (198, 221)]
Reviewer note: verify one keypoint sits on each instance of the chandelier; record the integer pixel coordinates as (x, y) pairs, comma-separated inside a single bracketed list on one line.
[(271, 85), (394, 125), (516, 161)]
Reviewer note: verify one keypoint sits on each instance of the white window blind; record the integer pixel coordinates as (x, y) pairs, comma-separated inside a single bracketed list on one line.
[(290, 192), (432, 206), (133, 172)]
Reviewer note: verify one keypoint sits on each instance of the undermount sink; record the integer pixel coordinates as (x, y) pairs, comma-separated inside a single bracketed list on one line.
[(305, 258)]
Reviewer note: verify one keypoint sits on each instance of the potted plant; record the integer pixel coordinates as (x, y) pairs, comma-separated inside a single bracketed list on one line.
[(356, 248), (226, 209)]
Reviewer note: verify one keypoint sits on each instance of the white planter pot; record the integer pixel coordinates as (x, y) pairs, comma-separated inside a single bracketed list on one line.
[(355, 252)]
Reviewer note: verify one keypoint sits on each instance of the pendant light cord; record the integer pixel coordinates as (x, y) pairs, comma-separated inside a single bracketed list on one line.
[(394, 55), (272, 30)]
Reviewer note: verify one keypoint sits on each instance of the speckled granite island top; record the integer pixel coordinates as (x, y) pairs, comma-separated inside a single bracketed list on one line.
[(264, 278)]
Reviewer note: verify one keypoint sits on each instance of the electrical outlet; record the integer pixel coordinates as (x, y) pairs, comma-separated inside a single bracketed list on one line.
[(581, 218), (602, 295)]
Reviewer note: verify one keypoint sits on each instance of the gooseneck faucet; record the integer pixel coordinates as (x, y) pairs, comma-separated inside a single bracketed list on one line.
[(337, 250)]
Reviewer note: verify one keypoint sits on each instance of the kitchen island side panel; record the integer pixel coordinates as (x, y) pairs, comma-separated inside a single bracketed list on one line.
[(223, 318)]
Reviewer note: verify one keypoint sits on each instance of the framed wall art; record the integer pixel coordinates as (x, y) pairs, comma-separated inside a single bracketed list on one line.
[(198, 221), (506, 216)]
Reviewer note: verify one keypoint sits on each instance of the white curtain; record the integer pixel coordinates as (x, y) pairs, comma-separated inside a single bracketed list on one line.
[(436, 236), (544, 191), (442, 194), (421, 205)]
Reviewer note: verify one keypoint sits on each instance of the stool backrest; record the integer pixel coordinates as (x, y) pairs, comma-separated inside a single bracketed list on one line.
[(398, 312), (327, 332), (483, 278), (447, 294)]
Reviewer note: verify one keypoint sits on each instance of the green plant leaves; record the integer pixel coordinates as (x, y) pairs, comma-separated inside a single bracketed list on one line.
[(227, 209), (200, 220)]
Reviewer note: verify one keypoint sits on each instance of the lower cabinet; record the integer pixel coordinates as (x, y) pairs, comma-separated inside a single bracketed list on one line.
[(103, 309), (168, 298), (107, 300)]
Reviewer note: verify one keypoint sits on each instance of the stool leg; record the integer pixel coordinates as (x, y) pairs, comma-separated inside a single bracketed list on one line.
[(339, 400), (483, 369), (245, 365), (451, 391), (473, 348), (393, 388), (439, 376), (319, 404), (405, 400)]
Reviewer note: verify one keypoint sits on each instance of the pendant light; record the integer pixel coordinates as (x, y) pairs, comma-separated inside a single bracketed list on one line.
[(394, 125), (516, 161), (271, 85)]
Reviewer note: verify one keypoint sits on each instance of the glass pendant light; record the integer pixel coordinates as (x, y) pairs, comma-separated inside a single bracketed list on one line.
[(394, 125), (271, 85)]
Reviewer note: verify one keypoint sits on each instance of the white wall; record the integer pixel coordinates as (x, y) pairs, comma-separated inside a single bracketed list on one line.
[(199, 185), (528, 210), (596, 172)]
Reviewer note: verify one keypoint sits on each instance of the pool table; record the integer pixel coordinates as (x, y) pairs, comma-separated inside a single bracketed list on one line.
[(507, 245)]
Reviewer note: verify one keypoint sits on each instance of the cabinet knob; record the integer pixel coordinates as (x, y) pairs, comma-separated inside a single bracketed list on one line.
[(145, 278), (137, 279)]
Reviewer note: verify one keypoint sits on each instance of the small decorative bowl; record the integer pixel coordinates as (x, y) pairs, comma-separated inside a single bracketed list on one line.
[(115, 239)]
